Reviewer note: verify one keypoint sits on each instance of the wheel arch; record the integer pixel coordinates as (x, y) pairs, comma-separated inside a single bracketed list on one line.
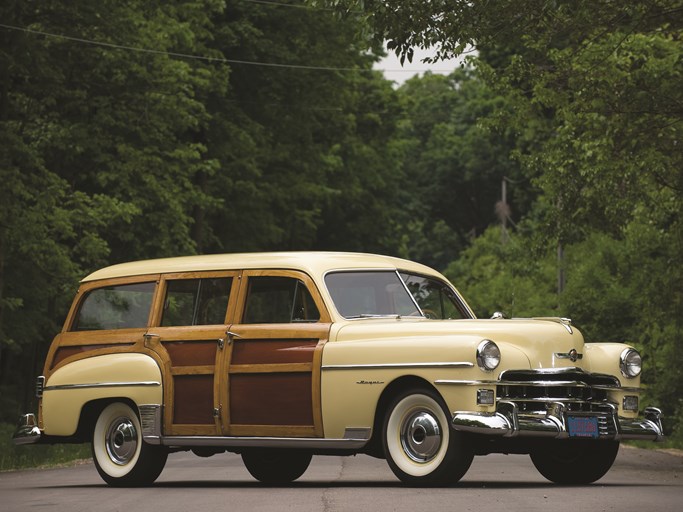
[(91, 411), (374, 446)]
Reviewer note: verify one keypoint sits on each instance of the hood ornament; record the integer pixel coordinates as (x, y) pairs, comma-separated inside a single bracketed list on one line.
[(573, 355)]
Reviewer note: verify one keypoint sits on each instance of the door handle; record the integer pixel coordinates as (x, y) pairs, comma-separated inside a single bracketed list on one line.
[(232, 336)]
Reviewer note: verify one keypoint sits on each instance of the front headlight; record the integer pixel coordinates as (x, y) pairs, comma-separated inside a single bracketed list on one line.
[(630, 363), (488, 356)]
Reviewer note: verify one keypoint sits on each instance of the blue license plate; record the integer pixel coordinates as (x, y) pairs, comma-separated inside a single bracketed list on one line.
[(582, 426)]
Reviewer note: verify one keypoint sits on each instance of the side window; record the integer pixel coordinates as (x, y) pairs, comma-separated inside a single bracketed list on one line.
[(196, 301), (115, 307), (436, 299), (278, 300)]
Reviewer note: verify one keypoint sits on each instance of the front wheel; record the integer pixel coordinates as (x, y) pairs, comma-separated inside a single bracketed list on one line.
[(276, 466), (420, 447), (121, 457), (575, 462)]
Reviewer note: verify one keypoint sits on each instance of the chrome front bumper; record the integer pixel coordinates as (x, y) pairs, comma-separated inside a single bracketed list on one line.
[(507, 421), (27, 431)]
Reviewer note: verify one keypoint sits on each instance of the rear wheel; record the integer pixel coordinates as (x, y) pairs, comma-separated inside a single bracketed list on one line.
[(121, 457), (420, 447), (575, 462), (276, 466)]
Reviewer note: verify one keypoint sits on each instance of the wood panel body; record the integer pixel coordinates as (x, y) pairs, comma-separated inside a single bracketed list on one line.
[(264, 381)]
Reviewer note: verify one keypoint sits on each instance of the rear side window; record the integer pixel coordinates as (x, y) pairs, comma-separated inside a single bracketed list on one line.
[(279, 300), (196, 301), (115, 307)]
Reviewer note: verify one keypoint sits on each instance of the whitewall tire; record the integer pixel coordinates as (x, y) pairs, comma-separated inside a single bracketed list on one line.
[(120, 455), (419, 444)]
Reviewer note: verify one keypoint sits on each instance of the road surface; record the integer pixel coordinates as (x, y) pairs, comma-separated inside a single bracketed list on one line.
[(640, 480)]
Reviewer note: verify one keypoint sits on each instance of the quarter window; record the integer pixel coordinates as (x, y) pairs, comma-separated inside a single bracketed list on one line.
[(435, 298), (115, 307), (196, 301), (279, 300)]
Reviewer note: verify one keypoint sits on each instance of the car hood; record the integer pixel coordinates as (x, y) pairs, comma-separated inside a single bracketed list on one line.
[(546, 342)]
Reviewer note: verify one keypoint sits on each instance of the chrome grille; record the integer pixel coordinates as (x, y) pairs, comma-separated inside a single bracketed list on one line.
[(535, 390)]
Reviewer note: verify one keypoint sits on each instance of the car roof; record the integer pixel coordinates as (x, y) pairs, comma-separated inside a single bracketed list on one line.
[(312, 263)]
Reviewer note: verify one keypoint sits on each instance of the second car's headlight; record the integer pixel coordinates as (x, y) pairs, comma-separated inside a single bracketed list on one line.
[(630, 363), (488, 355)]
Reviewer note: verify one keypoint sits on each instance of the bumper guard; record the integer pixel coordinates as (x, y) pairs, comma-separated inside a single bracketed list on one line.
[(27, 431)]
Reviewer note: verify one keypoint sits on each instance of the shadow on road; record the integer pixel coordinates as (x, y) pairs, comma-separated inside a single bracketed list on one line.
[(215, 484)]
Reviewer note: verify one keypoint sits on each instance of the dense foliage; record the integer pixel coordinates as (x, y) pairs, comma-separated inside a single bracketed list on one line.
[(546, 176)]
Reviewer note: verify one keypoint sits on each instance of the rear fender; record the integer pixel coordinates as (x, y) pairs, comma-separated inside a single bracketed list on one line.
[(135, 377)]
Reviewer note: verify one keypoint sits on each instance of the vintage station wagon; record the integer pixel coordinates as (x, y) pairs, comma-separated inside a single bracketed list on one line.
[(282, 356)]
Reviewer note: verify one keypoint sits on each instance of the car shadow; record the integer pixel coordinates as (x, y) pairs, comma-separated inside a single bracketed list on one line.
[(215, 484)]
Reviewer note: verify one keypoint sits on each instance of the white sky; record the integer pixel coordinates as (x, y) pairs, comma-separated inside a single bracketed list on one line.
[(393, 70)]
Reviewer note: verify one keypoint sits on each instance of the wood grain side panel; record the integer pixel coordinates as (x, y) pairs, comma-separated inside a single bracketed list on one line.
[(260, 351), (191, 353), (193, 399), (271, 399)]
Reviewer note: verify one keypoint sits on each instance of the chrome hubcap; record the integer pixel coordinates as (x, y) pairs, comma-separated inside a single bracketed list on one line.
[(121, 441), (421, 436)]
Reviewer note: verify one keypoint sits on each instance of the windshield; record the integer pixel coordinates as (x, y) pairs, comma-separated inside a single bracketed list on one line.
[(369, 294)]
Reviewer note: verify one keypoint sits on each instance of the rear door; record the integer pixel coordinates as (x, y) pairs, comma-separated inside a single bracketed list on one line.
[(189, 336)]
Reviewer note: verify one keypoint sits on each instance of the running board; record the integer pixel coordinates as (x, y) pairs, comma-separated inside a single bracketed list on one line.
[(354, 439)]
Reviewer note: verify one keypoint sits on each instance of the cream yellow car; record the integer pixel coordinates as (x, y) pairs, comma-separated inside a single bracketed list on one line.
[(282, 356)]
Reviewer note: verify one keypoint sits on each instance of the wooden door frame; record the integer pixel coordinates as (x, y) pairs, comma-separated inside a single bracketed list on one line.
[(315, 330), (154, 341)]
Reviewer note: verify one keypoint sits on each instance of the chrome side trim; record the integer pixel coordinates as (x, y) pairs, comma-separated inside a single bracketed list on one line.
[(357, 439), (396, 365), (101, 385), (459, 382)]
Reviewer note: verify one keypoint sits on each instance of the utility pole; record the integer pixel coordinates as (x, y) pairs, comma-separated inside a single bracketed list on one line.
[(503, 211), (560, 253), (560, 268)]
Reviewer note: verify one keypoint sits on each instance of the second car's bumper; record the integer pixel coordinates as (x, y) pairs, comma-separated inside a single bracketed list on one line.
[(508, 421), (27, 431)]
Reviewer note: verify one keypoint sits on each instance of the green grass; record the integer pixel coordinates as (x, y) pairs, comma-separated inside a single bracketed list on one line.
[(22, 457)]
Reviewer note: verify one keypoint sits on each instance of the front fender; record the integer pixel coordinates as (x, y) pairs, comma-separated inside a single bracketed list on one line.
[(604, 358), (133, 376)]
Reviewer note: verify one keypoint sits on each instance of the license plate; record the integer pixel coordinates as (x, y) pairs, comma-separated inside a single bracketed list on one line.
[(582, 426)]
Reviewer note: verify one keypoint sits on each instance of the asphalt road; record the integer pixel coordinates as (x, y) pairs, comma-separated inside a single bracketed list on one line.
[(640, 480)]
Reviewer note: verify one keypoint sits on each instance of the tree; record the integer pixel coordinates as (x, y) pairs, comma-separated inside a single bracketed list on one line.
[(456, 162), (593, 99)]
